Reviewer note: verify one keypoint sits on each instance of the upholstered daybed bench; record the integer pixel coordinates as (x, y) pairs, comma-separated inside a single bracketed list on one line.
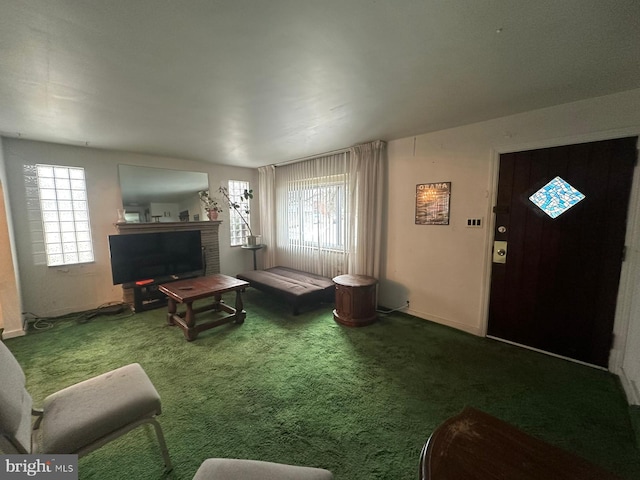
[(294, 286)]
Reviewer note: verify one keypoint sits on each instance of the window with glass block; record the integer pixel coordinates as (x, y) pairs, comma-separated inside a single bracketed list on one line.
[(237, 227), (62, 195)]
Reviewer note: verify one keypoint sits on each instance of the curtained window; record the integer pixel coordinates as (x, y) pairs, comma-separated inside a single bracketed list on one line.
[(317, 212), (324, 215), (312, 211)]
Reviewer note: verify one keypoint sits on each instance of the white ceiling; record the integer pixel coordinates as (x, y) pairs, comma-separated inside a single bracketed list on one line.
[(250, 83)]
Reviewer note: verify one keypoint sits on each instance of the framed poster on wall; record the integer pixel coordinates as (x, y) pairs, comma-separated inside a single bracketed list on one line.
[(433, 202)]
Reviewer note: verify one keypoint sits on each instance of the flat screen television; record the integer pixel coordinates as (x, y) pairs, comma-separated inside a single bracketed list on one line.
[(155, 256)]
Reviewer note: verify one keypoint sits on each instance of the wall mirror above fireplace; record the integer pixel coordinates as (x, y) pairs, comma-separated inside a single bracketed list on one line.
[(152, 194)]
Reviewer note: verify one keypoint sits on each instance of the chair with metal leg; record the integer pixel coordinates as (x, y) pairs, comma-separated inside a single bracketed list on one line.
[(77, 419)]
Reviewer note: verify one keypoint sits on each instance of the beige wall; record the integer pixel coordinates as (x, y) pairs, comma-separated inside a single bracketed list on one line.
[(443, 270), (10, 305), (59, 290)]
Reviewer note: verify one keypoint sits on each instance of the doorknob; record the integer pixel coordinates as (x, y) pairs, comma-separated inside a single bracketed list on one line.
[(499, 252)]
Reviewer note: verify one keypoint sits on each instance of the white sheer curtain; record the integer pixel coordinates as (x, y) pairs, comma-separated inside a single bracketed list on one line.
[(267, 189), (366, 171), (312, 209), (324, 215)]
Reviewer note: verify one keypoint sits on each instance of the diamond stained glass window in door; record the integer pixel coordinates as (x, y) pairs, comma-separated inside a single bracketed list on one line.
[(556, 197)]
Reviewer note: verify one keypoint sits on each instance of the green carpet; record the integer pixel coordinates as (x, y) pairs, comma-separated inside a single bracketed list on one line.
[(305, 390)]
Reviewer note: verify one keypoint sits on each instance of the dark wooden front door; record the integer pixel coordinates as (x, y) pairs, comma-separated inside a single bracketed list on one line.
[(557, 285)]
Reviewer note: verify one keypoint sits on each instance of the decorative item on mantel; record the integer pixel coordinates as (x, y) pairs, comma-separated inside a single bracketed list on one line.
[(121, 215), (246, 195), (210, 203)]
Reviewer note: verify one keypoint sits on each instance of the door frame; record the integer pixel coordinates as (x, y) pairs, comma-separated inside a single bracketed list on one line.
[(622, 317)]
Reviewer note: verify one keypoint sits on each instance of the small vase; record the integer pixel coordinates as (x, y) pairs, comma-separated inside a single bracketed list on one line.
[(212, 214), (121, 217)]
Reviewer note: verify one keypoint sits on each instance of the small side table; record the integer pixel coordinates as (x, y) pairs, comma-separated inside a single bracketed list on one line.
[(355, 300), (254, 249)]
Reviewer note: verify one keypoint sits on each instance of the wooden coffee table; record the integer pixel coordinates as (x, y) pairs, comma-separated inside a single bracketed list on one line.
[(189, 290)]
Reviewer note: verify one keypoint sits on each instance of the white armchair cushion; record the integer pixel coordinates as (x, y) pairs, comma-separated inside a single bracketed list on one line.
[(87, 411), (235, 469)]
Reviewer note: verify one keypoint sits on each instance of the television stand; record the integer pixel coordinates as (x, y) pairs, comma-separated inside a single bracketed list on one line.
[(147, 296)]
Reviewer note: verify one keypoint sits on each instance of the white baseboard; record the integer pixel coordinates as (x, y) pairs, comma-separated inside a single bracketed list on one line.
[(13, 333), (477, 331)]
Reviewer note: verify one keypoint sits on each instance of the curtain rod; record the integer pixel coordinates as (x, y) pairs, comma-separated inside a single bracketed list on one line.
[(310, 157)]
